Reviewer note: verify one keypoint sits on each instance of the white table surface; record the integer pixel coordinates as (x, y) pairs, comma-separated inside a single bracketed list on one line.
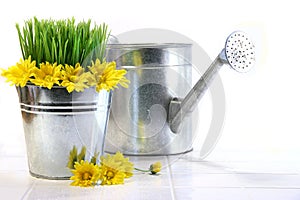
[(182, 177)]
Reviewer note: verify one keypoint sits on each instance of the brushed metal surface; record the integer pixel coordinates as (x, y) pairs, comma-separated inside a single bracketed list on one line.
[(55, 120), (138, 122)]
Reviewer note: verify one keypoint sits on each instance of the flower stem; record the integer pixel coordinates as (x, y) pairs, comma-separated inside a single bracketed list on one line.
[(141, 170)]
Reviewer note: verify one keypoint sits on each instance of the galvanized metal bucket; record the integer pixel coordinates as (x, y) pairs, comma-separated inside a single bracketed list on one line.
[(138, 122), (55, 120)]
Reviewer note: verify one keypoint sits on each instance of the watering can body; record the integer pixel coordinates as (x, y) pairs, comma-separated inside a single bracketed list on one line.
[(139, 123)]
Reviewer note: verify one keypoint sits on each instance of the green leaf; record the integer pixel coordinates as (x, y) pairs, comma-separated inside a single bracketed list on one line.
[(21, 41), (65, 52), (53, 50), (94, 158), (81, 156), (72, 158)]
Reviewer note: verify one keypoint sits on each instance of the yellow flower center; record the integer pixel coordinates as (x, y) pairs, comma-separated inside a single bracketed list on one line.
[(110, 175), (86, 176)]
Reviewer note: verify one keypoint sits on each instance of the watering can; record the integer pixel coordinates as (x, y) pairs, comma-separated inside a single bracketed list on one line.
[(153, 115)]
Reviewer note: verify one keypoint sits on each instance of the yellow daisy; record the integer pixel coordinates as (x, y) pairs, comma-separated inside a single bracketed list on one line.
[(115, 169), (111, 77), (20, 73), (125, 163), (47, 75), (97, 67), (111, 175), (107, 76), (74, 78), (85, 174)]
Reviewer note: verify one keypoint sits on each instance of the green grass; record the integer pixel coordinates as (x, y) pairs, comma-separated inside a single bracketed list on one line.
[(62, 41)]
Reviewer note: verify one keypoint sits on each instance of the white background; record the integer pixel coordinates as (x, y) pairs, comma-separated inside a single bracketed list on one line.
[(262, 106)]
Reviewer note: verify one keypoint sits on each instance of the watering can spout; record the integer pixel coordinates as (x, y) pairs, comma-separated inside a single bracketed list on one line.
[(179, 109), (238, 53)]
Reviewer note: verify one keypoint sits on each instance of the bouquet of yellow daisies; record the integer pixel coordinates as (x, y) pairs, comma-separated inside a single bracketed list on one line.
[(63, 53)]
